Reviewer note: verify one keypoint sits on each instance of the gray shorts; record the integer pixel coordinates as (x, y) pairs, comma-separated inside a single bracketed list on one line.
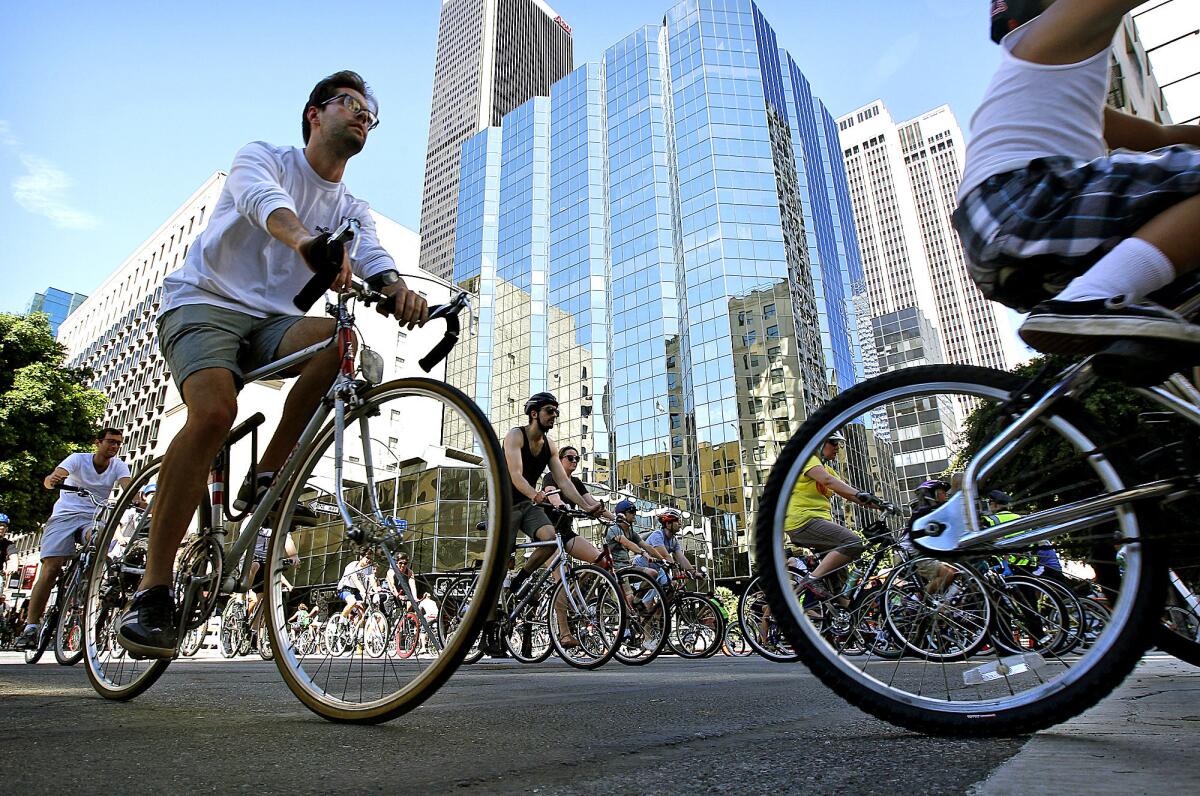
[(61, 531), (199, 336), (824, 535), (528, 517)]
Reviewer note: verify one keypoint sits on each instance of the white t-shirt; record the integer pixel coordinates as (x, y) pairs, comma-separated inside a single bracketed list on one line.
[(355, 570), (429, 608), (1032, 111), (83, 475), (236, 264)]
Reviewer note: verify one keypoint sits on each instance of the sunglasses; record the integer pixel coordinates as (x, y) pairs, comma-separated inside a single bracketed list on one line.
[(571, 458)]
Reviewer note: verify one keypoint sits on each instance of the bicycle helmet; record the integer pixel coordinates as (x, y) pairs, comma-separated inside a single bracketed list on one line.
[(3, 519), (149, 489), (670, 514), (538, 400), (1008, 15), (835, 437), (624, 506)]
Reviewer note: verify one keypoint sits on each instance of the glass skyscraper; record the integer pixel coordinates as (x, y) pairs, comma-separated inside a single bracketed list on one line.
[(57, 304), (666, 243)]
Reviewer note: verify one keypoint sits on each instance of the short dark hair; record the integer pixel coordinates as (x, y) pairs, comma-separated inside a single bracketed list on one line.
[(104, 432), (327, 89), (562, 452)]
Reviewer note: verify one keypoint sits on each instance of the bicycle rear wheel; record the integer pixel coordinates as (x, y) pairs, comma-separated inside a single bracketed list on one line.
[(115, 572), (528, 637), (44, 637), (405, 444), (759, 627), (587, 617), (914, 423)]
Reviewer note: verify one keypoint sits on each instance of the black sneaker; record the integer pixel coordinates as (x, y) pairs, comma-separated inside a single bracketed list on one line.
[(148, 629), (28, 639), (1085, 327)]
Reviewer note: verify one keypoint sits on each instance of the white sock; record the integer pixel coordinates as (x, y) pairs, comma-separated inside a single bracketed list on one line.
[(1132, 269)]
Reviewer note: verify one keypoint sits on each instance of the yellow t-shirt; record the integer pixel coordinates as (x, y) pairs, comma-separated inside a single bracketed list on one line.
[(809, 500)]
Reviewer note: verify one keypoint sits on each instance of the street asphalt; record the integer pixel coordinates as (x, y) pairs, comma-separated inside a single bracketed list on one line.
[(714, 726)]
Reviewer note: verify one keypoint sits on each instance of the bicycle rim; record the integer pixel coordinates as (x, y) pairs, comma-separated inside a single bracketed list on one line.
[(68, 631), (1063, 458), (111, 581), (587, 609), (425, 441)]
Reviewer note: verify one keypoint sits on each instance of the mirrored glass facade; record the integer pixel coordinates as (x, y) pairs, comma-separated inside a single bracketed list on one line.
[(666, 243)]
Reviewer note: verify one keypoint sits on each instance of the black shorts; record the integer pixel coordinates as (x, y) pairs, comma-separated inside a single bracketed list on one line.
[(528, 517)]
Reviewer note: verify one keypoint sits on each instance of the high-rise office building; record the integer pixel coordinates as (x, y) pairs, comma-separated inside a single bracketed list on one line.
[(492, 55), (666, 243), (903, 181), (56, 304)]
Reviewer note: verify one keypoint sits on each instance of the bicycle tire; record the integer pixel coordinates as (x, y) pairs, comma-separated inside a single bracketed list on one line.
[(407, 635), (1048, 701), (598, 627), (68, 629), (642, 625), (751, 620), (1172, 642), (44, 637), (735, 645), (312, 680), (452, 610), (112, 579), (535, 621), (263, 645), (684, 635), (193, 640), (1048, 601)]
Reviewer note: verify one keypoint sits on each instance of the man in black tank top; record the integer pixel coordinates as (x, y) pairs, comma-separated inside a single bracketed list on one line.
[(528, 451)]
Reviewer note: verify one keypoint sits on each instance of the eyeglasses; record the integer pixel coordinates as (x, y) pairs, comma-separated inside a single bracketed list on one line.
[(553, 411), (571, 458), (356, 108)]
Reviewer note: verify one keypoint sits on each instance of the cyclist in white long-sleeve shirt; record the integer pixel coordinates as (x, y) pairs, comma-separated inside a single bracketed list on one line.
[(228, 310)]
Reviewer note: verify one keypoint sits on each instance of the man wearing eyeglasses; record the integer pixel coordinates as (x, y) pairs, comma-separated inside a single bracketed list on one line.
[(229, 310)]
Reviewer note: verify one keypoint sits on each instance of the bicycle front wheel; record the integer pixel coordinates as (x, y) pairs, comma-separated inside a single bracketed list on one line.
[(413, 471), (916, 423), (113, 577), (587, 617), (68, 635), (697, 627), (649, 620)]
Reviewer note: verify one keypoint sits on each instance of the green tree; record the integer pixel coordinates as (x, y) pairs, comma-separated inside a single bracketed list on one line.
[(46, 412)]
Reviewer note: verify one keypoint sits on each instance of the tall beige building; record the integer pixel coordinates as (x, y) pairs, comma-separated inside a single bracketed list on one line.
[(492, 55), (903, 180)]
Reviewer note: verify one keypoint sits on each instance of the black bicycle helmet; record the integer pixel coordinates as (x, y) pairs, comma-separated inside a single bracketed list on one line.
[(1008, 15), (538, 400)]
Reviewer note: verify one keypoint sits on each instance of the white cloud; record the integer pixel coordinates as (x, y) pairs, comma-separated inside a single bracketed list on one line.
[(895, 58), (44, 188)]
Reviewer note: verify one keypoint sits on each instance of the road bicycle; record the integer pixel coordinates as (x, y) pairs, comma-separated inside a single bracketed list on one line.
[(62, 622), (423, 427), (1071, 480)]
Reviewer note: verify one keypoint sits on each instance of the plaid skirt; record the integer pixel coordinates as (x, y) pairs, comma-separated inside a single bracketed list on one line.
[(1027, 233)]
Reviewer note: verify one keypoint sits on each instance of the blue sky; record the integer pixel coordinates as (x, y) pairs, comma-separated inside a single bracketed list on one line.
[(113, 112)]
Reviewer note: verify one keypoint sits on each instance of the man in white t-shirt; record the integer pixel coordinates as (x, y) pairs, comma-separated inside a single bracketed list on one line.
[(96, 472), (229, 310)]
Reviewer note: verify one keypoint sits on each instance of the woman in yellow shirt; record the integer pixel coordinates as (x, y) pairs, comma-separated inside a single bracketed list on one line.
[(809, 521)]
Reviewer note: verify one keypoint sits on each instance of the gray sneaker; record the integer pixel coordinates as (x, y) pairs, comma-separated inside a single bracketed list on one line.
[(28, 639)]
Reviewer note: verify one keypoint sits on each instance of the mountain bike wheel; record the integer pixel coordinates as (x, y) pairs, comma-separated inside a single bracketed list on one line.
[(759, 627), (112, 580), (697, 627), (649, 622), (262, 644), (948, 411), (587, 617), (527, 638), (68, 630), (447, 448)]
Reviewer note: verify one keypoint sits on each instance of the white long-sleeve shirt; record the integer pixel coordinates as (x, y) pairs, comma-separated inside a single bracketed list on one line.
[(236, 264)]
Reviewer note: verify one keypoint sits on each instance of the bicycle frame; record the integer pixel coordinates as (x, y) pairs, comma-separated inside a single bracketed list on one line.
[(955, 526)]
